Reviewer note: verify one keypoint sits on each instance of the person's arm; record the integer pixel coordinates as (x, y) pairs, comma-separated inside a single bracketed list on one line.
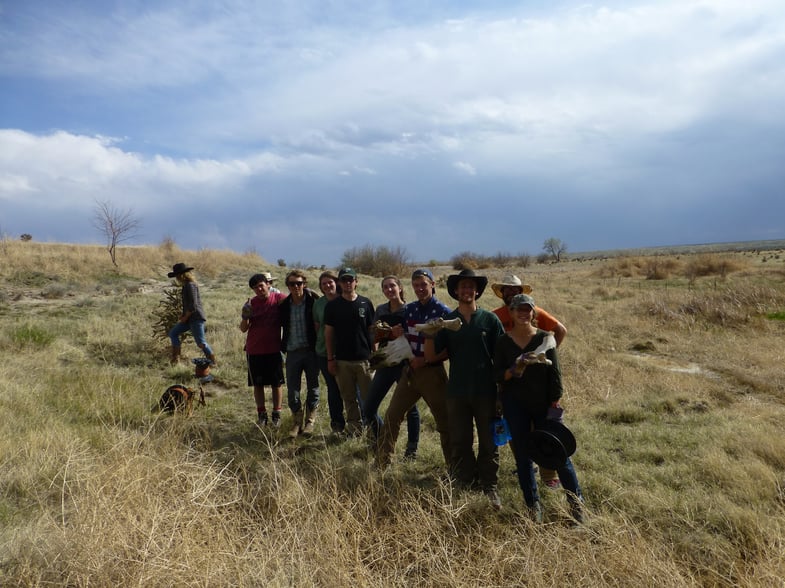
[(547, 322), (329, 343), (559, 333)]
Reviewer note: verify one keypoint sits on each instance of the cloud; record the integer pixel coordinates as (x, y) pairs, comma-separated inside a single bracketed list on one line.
[(624, 122)]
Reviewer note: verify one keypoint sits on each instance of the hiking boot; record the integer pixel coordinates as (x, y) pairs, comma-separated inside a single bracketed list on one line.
[(576, 509), (410, 455), (535, 512), (276, 419), (310, 422), (494, 498), (174, 355), (261, 419), (297, 424)]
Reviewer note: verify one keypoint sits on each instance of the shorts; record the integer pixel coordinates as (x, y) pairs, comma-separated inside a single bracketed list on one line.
[(265, 370)]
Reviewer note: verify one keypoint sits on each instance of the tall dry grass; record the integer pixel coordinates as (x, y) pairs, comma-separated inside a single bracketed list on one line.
[(674, 389)]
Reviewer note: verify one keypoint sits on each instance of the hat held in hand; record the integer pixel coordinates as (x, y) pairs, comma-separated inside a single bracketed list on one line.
[(550, 445)]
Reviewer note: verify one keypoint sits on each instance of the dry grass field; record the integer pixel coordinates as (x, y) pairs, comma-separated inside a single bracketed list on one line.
[(675, 389)]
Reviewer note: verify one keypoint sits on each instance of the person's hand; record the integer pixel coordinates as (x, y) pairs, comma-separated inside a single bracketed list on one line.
[(555, 412), (247, 311), (416, 363), (396, 332)]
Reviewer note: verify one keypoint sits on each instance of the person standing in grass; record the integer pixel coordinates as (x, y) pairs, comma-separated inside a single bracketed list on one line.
[(528, 391), (328, 284), (419, 378), (299, 343), (510, 286), (348, 320), (261, 321), (392, 314), (192, 319), (471, 389)]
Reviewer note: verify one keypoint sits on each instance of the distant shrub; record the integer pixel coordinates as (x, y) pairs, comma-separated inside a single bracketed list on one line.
[(168, 246), (31, 336), (710, 265), (524, 259), (26, 237), (543, 258), (501, 259), (659, 268), (55, 291), (377, 261), (281, 262), (465, 260)]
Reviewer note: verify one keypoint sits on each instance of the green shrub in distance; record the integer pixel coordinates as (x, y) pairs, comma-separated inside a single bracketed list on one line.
[(32, 336)]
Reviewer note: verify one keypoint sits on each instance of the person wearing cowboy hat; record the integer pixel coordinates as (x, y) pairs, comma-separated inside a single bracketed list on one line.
[(529, 392), (471, 388), (192, 318), (509, 286)]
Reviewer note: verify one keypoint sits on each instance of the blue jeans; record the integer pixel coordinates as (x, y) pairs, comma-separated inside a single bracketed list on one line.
[(383, 380), (521, 422), (298, 362), (197, 330)]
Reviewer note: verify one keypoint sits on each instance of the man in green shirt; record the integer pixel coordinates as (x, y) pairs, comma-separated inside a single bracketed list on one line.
[(471, 390)]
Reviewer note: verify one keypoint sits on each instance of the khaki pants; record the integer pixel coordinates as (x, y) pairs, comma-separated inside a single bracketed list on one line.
[(350, 376), (428, 383)]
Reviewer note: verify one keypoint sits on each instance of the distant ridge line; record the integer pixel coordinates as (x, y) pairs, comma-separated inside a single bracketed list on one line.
[(765, 245)]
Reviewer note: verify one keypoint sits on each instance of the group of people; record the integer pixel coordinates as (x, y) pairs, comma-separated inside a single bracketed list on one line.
[(492, 367)]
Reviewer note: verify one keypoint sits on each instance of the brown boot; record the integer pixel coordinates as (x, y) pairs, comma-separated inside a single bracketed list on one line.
[(174, 354), (310, 421), (297, 424)]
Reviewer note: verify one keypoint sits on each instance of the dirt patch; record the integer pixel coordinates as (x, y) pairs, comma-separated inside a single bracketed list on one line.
[(674, 365)]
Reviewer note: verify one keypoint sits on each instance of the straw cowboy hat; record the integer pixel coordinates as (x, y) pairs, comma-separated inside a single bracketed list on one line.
[(467, 274), (513, 281), (178, 269)]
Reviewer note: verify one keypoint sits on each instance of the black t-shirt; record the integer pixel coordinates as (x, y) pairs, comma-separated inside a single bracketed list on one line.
[(350, 321)]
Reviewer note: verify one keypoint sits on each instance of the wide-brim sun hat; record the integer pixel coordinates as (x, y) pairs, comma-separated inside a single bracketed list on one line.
[(467, 274), (550, 445), (510, 280), (178, 269)]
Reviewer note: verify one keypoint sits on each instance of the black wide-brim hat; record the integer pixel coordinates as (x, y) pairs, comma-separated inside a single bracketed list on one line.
[(550, 445), (467, 274), (177, 269)]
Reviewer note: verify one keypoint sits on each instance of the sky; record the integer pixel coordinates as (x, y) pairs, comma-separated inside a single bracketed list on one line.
[(301, 129)]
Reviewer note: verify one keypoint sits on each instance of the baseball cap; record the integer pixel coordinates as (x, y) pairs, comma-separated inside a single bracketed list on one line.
[(521, 300), (346, 271), (422, 273)]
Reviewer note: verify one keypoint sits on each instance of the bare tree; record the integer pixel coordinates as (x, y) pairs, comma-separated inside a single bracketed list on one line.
[(554, 247), (115, 224)]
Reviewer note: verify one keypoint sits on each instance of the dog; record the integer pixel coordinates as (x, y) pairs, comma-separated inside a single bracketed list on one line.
[(177, 398)]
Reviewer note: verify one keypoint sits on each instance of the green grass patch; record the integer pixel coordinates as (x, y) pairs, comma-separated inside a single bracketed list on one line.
[(31, 336)]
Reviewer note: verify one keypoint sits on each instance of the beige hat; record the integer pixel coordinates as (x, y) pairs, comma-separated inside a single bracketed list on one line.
[(513, 281)]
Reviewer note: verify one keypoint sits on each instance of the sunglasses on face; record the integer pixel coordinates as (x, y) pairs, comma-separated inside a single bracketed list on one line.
[(296, 284), (347, 279)]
